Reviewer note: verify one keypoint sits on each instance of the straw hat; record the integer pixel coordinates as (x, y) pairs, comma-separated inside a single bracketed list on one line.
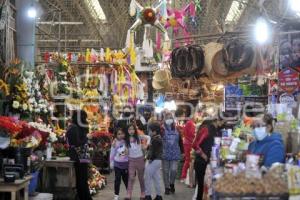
[(214, 59), (161, 79)]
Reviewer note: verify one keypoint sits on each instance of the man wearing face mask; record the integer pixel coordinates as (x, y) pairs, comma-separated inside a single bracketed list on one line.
[(126, 118), (268, 145)]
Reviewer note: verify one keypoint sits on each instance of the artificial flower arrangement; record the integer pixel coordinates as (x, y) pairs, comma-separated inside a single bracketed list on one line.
[(36, 101), (20, 97), (101, 140), (10, 125), (4, 87), (96, 181), (60, 149), (45, 129)]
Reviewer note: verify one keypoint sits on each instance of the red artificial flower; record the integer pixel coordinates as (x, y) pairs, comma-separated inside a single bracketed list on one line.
[(9, 124)]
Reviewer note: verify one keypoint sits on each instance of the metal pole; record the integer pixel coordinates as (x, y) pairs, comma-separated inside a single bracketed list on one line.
[(66, 38), (59, 32)]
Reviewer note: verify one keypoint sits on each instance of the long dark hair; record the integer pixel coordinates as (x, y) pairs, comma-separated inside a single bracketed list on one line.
[(135, 135), (124, 131), (79, 118), (209, 125), (269, 120)]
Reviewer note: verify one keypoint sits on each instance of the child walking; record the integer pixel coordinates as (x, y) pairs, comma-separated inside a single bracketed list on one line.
[(154, 156), (119, 160), (136, 158)]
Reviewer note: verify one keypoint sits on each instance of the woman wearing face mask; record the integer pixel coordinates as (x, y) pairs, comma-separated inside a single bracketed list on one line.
[(268, 144), (172, 149)]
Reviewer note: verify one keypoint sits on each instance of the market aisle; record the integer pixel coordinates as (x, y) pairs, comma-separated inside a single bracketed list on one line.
[(182, 191)]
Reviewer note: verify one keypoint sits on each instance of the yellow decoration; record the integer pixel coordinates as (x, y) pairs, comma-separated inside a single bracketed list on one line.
[(108, 55), (88, 56), (132, 52), (4, 87)]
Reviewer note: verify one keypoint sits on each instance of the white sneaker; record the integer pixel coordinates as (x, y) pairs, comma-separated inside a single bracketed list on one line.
[(116, 197)]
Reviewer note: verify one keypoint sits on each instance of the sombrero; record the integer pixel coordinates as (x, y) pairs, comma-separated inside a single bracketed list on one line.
[(161, 79), (215, 65), (214, 59)]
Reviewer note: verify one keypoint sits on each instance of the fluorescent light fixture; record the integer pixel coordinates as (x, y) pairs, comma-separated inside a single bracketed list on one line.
[(170, 105), (295, 5), (235, 11), (261, 31), (31, 12), (96, 9), (158, 109), (220, 87)]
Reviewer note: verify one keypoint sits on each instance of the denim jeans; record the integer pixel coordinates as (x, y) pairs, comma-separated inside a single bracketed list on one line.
[(169, 172), (153, 176)]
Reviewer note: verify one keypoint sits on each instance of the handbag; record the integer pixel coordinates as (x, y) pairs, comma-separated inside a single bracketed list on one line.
[(83, 154)]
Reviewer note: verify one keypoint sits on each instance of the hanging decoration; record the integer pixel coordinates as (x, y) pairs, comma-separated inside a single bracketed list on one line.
[(91, 56), (175, 19), (148, 16)]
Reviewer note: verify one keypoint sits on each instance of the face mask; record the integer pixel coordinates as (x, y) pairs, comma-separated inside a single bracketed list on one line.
[(169, 121), (260, 133), (151, 133), (127, 114)]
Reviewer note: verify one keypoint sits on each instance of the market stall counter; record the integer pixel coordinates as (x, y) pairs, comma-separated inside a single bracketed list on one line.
[(59, 175), (15, 187)]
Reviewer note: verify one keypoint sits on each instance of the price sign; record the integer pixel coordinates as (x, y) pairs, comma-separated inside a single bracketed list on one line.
[(288, 80)]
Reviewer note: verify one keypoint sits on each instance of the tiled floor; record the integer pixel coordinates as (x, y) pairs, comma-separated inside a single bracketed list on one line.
[(182, 191)]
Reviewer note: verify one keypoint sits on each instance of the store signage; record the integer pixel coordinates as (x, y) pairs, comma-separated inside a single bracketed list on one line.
[(288, 99), (288, 80)]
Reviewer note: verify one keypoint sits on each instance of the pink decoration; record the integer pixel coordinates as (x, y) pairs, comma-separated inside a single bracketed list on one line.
[(175, 20)]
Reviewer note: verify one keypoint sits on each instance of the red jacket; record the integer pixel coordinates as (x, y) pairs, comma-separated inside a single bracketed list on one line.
[(189, 132), (201, 136)]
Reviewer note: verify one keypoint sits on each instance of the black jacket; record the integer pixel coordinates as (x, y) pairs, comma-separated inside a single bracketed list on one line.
[(155, 149), (77, 137)]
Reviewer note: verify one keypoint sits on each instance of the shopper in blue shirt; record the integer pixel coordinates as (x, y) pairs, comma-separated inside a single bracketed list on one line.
[(268, 144)]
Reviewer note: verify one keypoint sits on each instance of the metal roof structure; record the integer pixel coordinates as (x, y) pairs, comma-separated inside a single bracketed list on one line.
[(77, 23)]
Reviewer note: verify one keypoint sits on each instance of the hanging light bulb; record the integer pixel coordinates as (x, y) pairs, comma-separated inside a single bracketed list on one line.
[(31, 12), (295, 5), (261, 31)]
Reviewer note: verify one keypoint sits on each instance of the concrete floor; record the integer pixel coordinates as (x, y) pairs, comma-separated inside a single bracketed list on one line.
[(182, 191)]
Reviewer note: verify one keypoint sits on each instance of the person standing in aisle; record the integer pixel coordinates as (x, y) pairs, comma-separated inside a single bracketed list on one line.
[(77, 140), (119, 160), (136, 145), (172, 148), (154, 156), (188, 138), (202, 145)]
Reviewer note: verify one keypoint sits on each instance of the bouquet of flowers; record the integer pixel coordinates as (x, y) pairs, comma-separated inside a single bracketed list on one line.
[(60, 149), (96, 181), (101, 140), (43, 128), (10, 125), (31, 141)]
